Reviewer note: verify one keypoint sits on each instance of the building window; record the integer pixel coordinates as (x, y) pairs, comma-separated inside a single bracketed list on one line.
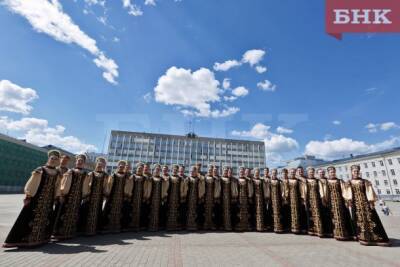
[(366, 165), (395, 181), (367, 174), (386, 182), (388, 191), (376, 182), (381, 162), (392, 172), (379, 192), (375, 174), (373, 164), (390, 161), (383, 172), (397, 191)]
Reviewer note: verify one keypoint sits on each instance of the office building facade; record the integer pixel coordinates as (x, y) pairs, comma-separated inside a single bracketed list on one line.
[(185, 150)]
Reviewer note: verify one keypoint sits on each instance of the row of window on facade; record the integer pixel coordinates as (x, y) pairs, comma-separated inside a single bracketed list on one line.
[(388, 192), (183, 144), (375, 173), (386, 182), (372, 163)]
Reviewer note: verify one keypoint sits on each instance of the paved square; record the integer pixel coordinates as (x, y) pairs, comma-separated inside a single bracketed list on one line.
[(199, 248)]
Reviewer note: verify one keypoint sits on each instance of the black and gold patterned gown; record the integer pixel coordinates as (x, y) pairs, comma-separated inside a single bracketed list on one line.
[(155, 204), (145, 215), (268, 211), (165, 183), (369, 228), (192, 199), (258, 200), (326, 214), (137, 199), (276, 202), (294, 193), (112, 213), (243, 223), (183, 198), (314, 202), (173, 203), (341, 220), (95, 202), (217, 203), (33, 225), (286, 207), (305, 218), (209, 204), (68, 213), (126, 211), (226, 203)]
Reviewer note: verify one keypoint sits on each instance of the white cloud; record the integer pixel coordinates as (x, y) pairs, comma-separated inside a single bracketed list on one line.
[(240, 91), (225, 66), (274, 143), (37, 131), (226, 84), (133, 9), (261, 69), (150, 2), (386, 126), (336, 122), (283, 130), (148, 97), (192, 92), (266, 86), (333, 149), (14, 98), (253, 56), (48, 17)]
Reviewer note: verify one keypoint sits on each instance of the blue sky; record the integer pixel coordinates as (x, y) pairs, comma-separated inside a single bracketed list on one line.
[(158, 59)]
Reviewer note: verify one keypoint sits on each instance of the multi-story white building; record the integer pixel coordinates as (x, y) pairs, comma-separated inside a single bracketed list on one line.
[(381, 168), (186, 150)]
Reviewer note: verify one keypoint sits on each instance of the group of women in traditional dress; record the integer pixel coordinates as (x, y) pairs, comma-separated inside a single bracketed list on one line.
[(61, 203)]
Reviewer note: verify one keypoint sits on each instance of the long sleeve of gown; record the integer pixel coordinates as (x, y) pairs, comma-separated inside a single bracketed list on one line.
[(147, 187), (346, 191), (164, 188), (108, 184), (266, 189), (371, 196), (66, 183), (87, 184), (183, 189), (322, 188), (202, 187), (250, 189), (285, 191), (234, 189), (57, 187), (128, 188), (303, 190), (33, 183), (217, 188)]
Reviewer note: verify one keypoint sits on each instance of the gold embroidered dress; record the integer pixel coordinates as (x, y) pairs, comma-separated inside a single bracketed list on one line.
[(325, 207), (112, 213), (192, 202), (173, 203), (369, 228), (276, 201), (209, 204), (314, 202), (337, 193), (155, 203), (259, 210), (244, 192), (97, 184), (294, 193), (72, 190), (33, 226), (137, 199), (226, 203)]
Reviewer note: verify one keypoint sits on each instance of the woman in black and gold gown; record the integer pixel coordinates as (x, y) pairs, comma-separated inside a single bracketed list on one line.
[(33, 226), (173, 201), (97, 183), (155, 199), (74, 186), (241, 195), (276, 202), (369, 228)]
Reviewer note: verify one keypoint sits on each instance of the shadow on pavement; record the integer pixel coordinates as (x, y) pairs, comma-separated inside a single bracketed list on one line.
[(57, 248)]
